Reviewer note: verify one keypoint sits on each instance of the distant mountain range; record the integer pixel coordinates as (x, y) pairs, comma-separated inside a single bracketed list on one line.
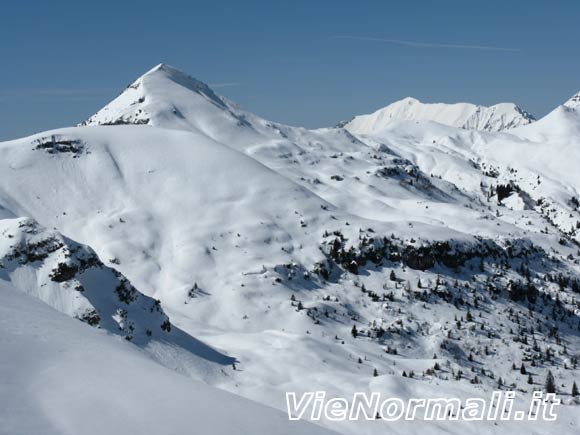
[(468, 116)]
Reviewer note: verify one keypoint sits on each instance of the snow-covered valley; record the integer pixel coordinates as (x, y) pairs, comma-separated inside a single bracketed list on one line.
[(426, 250)]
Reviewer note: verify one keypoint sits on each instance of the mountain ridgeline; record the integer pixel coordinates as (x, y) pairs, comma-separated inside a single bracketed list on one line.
[(422, 250)]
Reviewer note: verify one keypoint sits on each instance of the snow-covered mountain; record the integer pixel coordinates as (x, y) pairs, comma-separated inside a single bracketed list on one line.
[(452, 251), (563, 123), (573, 102), (498, 117), (166, 97), (72, 279), (59, 376)]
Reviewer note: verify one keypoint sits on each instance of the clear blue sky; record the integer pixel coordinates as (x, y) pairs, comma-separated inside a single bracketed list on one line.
[(309, 63)]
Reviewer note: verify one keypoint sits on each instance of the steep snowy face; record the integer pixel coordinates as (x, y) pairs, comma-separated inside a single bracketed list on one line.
[(166, 97), (147, 99), (499, 117), (72, 279)]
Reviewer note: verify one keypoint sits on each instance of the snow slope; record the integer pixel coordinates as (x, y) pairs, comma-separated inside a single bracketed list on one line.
[(59, 376), (270, 242), (498, 117), (166, 97), (562, 122), (72, 279), (177, 206)]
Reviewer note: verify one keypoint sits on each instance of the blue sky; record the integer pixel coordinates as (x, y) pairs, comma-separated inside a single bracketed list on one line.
[(310, 63)]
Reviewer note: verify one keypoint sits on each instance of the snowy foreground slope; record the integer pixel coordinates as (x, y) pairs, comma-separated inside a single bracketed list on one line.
[(61, 377), (72, 279), (452, 251), (498, 117)]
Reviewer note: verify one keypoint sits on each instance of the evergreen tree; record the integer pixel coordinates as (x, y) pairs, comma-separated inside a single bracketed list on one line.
[(375, 373), (550, 385), (523, 369), (530, 379), (392, 276), (354, 331), (575, 392)]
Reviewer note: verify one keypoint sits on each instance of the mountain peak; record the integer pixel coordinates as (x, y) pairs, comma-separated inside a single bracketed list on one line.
[(573, 102), (410, 100), (161, 68), (469, 116), (166, 69), (162, 96)]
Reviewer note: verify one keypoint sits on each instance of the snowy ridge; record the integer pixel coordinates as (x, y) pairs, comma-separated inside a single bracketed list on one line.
[(418, 260), (72, 279), (498, 117), (563, 122), (573, 102), (166, 97), (135, 96)]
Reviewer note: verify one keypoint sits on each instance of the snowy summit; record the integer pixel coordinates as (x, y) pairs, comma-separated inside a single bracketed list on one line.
[(468, 116), (175, 251)]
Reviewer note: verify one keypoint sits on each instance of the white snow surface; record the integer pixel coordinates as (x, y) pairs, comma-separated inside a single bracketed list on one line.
[(60, 376), (468, 116), (266, 243), (573, 102)]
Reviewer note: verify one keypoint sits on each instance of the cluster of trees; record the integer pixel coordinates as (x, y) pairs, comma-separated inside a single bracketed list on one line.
[(498, 271), (502, 191)]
